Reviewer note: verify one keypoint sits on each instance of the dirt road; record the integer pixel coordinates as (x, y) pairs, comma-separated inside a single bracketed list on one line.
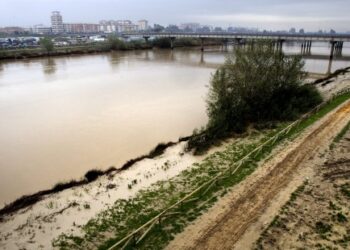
[(223, 225)]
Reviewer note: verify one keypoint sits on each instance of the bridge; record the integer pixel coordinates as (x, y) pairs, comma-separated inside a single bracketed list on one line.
[(337, 40), (278, 39)]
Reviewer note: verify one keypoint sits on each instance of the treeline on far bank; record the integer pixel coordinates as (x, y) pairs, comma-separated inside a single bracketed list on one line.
[(113, 43)]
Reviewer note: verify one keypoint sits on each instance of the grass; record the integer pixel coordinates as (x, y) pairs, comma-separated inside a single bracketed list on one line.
[(345, 189), (125, 216), (322, 227), (341, 217)]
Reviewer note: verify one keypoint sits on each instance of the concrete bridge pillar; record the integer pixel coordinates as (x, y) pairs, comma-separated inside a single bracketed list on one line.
[(306, 47), (309, 47), (146, 38), (225, 45), (279, 45), (333, 44), (338, 48), (302, 47), (172, 40), (202, 44)]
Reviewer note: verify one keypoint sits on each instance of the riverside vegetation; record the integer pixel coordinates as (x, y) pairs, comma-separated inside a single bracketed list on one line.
[(285, 98), (112, 43), (257, 85)]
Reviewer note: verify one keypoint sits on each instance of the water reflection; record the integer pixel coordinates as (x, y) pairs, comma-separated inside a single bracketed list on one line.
[(201, 62), (49, 66)]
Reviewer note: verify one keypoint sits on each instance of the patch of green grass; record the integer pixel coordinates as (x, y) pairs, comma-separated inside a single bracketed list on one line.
[(341, 217), (345, 189), (322, 227)]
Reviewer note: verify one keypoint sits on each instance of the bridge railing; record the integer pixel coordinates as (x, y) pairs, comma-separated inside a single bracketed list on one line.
[(257, 35)]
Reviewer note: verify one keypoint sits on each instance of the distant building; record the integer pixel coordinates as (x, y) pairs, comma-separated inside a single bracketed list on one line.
[(218, 29), (158, 28), (172, 28), (57, 22), (292, 31), (142, 25), (243, 30), (117, 26), (12, 30), (205, 28), (81, 28), (190, 26), (41, 29), (126, 26)]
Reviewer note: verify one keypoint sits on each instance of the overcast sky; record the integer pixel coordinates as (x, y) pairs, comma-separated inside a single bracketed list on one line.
[(262, 14)]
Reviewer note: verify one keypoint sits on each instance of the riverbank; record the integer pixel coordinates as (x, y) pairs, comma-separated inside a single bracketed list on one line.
[(68, 211), (90, 176), (101, 47), (18, 54)]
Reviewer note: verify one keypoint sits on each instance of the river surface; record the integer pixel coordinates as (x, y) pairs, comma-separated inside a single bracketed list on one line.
[(63, 116)]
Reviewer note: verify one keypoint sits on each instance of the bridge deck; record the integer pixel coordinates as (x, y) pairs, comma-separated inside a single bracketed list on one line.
[(271, 36)]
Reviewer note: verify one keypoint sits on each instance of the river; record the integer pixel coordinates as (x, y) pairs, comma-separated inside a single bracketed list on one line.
[(63, 116)]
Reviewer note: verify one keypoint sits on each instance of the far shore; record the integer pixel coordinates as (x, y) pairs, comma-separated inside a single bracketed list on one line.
[(97, 48)]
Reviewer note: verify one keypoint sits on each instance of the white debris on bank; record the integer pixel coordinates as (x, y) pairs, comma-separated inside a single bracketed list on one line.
[(67, 211), (334, 85)]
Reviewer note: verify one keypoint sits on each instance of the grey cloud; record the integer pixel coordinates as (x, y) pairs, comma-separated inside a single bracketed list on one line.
[(281, 14)]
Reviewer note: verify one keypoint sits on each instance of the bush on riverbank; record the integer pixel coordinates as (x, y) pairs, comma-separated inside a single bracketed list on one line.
[(164, 43), (256, 85)]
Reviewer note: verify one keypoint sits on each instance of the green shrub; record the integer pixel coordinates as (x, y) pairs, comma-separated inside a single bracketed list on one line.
[(256, 85), (47, 44), (161, 43), (322, 228), (114, 43)]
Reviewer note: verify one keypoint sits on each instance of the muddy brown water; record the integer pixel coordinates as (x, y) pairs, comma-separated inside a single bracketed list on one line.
[(62, 116)]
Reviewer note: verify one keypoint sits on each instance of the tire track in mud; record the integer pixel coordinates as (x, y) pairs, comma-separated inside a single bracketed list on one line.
[(228, 228)]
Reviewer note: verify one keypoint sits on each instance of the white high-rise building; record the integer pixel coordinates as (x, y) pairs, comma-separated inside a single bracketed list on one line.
[(57, 22), (142, 25)]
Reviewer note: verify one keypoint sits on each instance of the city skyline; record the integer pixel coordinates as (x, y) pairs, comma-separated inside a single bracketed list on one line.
[(266, 14)]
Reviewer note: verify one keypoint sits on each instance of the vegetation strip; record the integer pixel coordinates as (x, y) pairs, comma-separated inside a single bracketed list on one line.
[(243, 166), (113, 43)]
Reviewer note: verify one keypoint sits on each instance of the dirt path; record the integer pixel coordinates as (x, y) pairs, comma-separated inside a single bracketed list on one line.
[(224, 224)]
